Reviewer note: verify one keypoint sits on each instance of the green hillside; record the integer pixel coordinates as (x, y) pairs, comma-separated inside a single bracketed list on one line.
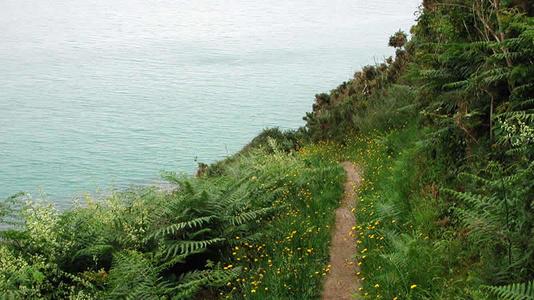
[(443, 132)]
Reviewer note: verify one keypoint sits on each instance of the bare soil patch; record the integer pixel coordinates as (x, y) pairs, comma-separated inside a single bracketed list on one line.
[(342, 282)]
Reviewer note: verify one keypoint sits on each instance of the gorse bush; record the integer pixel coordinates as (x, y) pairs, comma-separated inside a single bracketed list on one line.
[(337, 115)]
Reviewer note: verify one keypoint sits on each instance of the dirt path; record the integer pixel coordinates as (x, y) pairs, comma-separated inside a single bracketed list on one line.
[(342, 283)]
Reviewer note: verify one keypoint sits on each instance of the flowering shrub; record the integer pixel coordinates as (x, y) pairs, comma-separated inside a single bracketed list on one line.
[(517, 133)]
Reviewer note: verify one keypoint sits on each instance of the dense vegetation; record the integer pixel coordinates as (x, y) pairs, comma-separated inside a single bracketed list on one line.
[(261, 226), (444, 133)]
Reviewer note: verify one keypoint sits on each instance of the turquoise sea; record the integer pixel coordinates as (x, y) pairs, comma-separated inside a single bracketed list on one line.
[(100, 94)]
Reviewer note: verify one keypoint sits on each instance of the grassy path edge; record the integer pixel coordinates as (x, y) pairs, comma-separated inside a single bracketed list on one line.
[(342, 282)]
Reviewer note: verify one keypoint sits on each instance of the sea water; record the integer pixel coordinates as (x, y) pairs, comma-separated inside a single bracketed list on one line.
[(100, 94)]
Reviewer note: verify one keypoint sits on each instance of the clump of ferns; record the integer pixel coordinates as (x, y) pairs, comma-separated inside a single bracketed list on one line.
[(499, 220), (514, 291), (135, 275), (202, 222)]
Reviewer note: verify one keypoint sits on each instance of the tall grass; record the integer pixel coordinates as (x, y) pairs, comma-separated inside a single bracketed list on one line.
[(291, 260), (402, 250)]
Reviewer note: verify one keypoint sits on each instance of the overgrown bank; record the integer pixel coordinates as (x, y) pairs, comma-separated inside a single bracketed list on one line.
[(261, 228)]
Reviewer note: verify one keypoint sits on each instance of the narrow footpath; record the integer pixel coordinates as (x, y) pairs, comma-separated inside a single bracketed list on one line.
[(342, 282)]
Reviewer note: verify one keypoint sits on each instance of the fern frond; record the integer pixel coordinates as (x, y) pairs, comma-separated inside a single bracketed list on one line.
[(514, 291), (190, 283), (476, 178), (175, 228), (523, 104), (95, 250), (11, 295), (524, 116), (178, 259), (133, 275), (250, 216), (188, 247), (469, 198), (77, 279), (522, 90)]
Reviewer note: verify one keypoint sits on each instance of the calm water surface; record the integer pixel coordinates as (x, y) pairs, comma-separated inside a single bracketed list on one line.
[(105, 93)]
